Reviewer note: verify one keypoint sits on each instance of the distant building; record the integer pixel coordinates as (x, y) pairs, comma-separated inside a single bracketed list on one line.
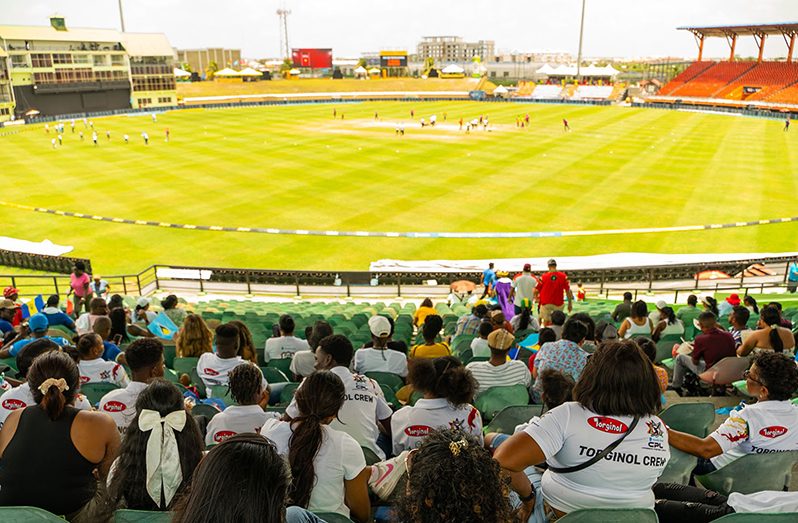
[(199, 59), (453, 49)]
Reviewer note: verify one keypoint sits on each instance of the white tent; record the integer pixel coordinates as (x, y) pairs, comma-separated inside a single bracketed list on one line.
[(250, 72), (360, 70), (501, 90), (546, 69), (227, 72), (181, 73), (374, 70), (294, 71), (453, 69)]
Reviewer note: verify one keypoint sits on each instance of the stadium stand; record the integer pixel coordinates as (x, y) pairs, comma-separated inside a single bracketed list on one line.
[(695, 69), (593, 92), (713, 79), (547, 92)]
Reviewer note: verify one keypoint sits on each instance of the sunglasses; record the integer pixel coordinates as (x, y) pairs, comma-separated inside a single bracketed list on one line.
[(747, 376)]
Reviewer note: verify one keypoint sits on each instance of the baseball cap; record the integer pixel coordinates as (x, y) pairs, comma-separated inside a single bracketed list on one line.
[(10, 291), (142, 302), (661, 304), (527, 267), (552, 261), (733, 299), (97, 277), (38, 322), (500, 339), (379, 326), (8, 304)]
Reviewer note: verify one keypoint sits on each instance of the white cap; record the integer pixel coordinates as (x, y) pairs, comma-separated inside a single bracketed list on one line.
[(379, 326), (661, 304), (143, 302)]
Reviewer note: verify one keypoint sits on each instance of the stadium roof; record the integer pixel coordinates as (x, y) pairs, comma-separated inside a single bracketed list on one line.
[(48, 33), (147, 44), (752, 29)]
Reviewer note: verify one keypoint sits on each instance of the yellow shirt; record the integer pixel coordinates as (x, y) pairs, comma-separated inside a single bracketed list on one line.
[(437, 350), (422, 313)]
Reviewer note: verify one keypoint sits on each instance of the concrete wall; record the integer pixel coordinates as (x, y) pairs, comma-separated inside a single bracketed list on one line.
[(70, 102)]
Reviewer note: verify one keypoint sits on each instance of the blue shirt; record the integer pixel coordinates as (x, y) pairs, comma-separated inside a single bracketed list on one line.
[(793, 274), (59, 318), (18, 346), (111, 351), (5, 326), (488, 277)]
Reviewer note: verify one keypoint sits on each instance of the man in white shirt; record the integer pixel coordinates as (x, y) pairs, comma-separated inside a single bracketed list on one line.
[(20, 397), (379, 358), (145, 359), (498, 372), (94, 369), (213, 368), (365, 411), (523, 288), (287, 344)]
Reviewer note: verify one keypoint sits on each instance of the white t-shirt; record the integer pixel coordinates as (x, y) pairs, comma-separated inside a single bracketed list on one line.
[(509, 373), (21, 397), (85, 323), (676, 327), (376, 360), (120, 404), (480, 348), (101, 371), (303, 363), (524, 288), (213, 370), (364, 406), (339, 459), (761, 428), (410, 425), (237, 419), (770, 501), (283, 347), (569, 435)]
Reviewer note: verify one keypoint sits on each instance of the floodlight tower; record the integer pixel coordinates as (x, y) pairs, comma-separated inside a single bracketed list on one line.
[(581, 34), (121, 16), (284, 48)]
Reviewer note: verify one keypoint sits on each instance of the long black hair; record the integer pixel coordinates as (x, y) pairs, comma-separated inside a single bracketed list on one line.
[(241, 480), (57, 365), (320, 397), (118, 324), (751, 302), (771, 317), (444, 378), (526, 315), (129, 482)]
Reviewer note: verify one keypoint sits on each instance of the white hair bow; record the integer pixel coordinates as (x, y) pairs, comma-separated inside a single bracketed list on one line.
[(163, 459)]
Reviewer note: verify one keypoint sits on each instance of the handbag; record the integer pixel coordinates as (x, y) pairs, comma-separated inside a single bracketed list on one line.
[(595, 459)]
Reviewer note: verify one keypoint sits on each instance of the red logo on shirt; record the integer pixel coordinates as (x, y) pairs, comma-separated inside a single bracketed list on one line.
[(223, 435), (84, 379), (418, 431), (773, 432), (210, 372), (12, 404), (114, 406), (613, 426)]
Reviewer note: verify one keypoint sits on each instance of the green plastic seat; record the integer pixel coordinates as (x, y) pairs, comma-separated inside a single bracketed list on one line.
[(141, 516), (222, 392), (493, 400), (510, 417), (668, 363), (414, 397), (27, 515), (752, 473), (370, 455), (678, 468), (287, 394), (201, 409), (610, 515), (274, 375), (394, 381), (94, 392), (692, 418), (390, 396), (665, 346), (283, 365), (11, 362), (756, 517), (332, 517), (185, 365), (461, 343), (169, 355)]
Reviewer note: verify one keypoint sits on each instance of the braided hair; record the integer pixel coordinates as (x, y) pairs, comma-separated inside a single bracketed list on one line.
[(245, 382)]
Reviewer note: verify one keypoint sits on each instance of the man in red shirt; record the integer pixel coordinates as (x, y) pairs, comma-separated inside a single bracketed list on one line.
[(711, 346), (549, 292)]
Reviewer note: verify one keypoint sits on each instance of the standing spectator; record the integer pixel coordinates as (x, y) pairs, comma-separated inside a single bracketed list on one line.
[(523, 288), (54, 314), (488, 277), (94, 369), (378, 357), (710, 347), (638, 323), (79, 287), (690, 312), (99, 287), (504, 287), (469, 323), (565, 355), (549, 292), (97, 309), (304, 361), (246, 388), (792, 276), (171, 309), (194, 338), (738, 324), (770, 335), (431, 348), (624, 309), (726, 306), (364, 409), (499, 371), (424, 310), (287, 344)]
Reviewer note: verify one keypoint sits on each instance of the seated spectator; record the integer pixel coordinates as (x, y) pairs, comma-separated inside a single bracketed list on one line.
[(49, 451), (638, 323), (225, 482), (397, 345), (738, 324), (431, 348), (364, 411), (213, 367), (246, 388), (667, 325), (750, 304), (499, 371), (624, 309), (469, 323), (478, 495), (770, 335), (709, 347), (97, 308), (54, 314), (786, 323), (656, 315), (142, 314), (606, 331), (448, 390), (546, 335), (36, 329), (21, 396), (173, 311), (616, 402), (145, 359), (246, 348), (499, 321), (524, 320), (424, 310), (329, 472), (590, 344), (769, 425), (116, 302), (479, 346), (102, 328), (649, 348), (287, 344), (726, 306), (7, 311), (378, 357), (152, 477), (557, 322), (689, 312), (94, 369), (565, 355), (304, 361), (194, 338), (710, 304)]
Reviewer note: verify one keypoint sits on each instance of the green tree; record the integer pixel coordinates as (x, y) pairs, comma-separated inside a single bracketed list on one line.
[(211, 70), (287, 65)]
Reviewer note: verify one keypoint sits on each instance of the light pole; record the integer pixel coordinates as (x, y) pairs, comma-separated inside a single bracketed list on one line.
[(581, 34), (121, 16)]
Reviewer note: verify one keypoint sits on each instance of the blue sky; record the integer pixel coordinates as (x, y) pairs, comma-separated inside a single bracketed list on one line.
[(613, 27)]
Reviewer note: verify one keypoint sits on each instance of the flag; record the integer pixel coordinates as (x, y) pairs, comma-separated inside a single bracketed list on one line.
[(70, 307), (163, 327), (39, 302), (32, 307), (25, 309)]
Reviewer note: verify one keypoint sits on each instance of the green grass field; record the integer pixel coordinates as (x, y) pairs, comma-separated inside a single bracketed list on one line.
[(296, 167)]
